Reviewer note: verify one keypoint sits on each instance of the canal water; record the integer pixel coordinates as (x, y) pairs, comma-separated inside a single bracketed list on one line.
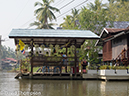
[(14, 87)]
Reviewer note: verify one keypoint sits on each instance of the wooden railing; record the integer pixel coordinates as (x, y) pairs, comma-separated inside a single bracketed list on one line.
[(53, 61)]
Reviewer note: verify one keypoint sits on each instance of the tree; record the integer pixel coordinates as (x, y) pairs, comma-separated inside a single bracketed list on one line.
[(93, 20), (45, 11), (70, 21), (97, 5), (93, 17), (112, 1), (67, 24), (118, 11), (7, 52), (41, 25), (90, 52), (75, 15)]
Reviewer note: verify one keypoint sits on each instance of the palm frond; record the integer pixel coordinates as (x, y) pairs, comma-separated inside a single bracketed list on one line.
[(38, 3), (38, 10), (54, 9), (51, 15), (35, 23)]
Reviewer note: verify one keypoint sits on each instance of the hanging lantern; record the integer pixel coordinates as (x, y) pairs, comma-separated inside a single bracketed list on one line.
[(51, 47), (36, 47), (57, 48), (42, 48), (26, 47)]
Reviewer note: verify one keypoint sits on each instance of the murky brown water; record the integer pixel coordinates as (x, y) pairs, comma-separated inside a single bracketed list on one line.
[(13, 87)]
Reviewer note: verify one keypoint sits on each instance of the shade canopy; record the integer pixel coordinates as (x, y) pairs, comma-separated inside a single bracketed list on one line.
[(50, 36)]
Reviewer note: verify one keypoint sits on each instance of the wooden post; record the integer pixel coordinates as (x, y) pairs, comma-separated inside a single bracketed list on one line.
[(66, 59), (75, 68), (31, 57)]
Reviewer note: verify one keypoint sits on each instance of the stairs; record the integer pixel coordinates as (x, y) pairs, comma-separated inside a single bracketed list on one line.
[(122, 57)]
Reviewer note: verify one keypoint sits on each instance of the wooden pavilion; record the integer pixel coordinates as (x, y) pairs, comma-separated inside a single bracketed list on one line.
[(54, 37)]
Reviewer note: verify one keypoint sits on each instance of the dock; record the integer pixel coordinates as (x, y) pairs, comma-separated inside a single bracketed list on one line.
[(90, 75), (50, 76)]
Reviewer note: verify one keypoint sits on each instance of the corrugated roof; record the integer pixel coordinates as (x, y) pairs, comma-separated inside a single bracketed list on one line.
[(52, 33), (113, 30), (51, 36)]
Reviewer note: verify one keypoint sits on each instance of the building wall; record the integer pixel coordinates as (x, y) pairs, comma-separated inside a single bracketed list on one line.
[(118, 44), (128, 45), (107, 51)]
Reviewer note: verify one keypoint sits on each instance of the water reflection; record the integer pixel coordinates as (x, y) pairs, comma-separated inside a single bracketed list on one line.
[(61, 87), (114, 88)]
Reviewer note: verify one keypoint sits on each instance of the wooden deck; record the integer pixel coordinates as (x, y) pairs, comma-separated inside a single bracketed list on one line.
[(52, 76)]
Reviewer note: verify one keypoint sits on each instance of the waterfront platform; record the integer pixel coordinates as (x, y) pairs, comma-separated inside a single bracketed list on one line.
[(72, 76), (50, 76), (107, 75)]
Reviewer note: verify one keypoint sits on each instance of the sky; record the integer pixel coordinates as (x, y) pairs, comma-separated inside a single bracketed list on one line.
[(18, 14)]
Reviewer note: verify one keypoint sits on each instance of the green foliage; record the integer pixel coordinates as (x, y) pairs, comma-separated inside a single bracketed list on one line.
[(7, 52), (70, 21), (93, 20), (118, 11), (91, 17), (92, 67), (112, 67), (90, 52), (105, 67), (25, 63), (119, 67)]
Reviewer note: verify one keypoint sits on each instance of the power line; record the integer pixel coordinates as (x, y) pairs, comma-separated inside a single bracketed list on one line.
[(19, 14), (72, 8), (28, 21), (61, 8), (59, 2), (67, 4), (16, 18), (54, 12)]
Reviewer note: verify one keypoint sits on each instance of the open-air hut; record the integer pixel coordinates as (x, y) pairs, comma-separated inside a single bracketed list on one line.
[(54, 37)]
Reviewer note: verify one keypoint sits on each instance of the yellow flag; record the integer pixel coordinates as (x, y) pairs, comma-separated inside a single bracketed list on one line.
[(21, 45)]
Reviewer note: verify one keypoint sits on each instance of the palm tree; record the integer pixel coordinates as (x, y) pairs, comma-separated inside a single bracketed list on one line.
[(67, 24), (70, 20), (96, 6), (41, 25), (112, 1), (75, 14), (45, 11)]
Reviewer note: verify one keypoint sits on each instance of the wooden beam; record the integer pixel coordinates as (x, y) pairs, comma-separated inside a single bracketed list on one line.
[(75, 59), (31, 56)]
